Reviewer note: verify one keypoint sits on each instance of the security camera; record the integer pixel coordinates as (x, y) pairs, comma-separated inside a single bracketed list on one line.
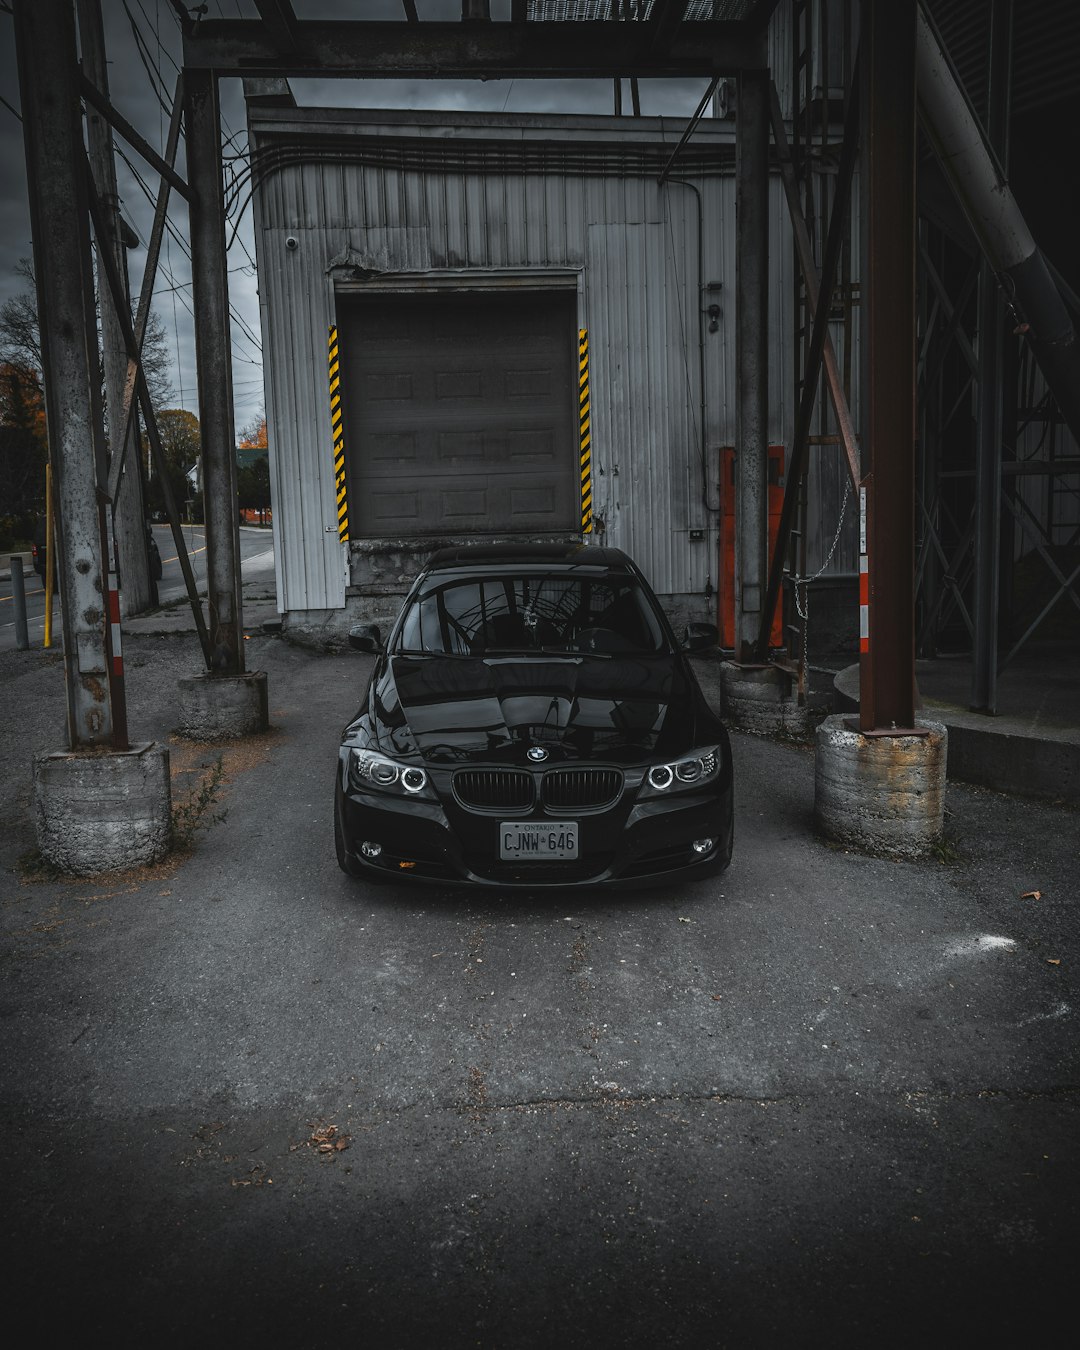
[(292, 243)]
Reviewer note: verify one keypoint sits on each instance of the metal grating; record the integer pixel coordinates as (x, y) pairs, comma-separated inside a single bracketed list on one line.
[(580, 789), (595, 11), (494, 789)]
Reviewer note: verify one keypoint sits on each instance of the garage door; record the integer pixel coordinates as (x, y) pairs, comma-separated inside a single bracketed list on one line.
[(460, 413)]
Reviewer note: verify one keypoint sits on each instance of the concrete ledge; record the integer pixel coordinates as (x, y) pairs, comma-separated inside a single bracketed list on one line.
[(104, 811), (1010, 754), (880, 794), (220, 707), (1011, 759)]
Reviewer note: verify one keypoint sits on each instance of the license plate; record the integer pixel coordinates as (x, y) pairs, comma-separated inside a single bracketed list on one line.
[(542, 840)]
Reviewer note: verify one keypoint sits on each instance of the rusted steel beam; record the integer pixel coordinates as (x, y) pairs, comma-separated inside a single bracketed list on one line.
[(887, 663), (280, 21), (439, 50)]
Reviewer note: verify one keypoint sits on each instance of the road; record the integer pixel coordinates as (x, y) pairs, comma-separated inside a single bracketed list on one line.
[(824, 1099), (256, 551)]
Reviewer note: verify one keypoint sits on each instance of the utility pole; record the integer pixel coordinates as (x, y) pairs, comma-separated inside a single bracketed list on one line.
[(128, 509), (52, 132)]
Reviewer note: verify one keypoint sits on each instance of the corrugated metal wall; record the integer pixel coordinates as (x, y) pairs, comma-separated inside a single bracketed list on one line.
[(635, 248)]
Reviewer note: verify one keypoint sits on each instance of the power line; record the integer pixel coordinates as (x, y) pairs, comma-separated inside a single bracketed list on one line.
[(239, 319)]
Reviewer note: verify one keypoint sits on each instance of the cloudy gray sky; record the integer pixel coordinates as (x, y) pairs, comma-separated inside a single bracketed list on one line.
[(144, 51)]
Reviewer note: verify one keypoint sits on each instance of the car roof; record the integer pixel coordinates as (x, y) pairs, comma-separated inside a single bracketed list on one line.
[(576, 554)]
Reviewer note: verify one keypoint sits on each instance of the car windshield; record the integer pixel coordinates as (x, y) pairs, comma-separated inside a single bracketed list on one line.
[(550, 613)]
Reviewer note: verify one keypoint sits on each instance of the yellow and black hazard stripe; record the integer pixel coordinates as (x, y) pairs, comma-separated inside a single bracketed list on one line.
[(339, 438), (585, 442)]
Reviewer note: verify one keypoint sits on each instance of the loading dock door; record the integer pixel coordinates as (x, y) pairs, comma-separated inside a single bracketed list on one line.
[(460, 413)]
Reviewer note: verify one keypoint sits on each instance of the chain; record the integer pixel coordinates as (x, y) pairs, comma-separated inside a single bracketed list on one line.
[(802, 603)]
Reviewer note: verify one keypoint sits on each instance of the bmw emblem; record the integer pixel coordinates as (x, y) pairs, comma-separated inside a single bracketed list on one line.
[(536, 753)]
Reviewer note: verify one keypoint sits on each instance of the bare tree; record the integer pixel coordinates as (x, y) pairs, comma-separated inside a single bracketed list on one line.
[(20, 340)]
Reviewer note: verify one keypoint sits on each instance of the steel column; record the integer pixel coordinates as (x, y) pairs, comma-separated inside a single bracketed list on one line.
[(988, 447), (752, 355), (983, 696), (52, 131), (213, 351), (887, 673)]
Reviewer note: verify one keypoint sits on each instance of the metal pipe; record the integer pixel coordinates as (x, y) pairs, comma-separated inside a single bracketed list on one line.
[(52, 131), (752, 356), (50, 556), (18, 600), (998, 224), (213, 351), (690, 127)]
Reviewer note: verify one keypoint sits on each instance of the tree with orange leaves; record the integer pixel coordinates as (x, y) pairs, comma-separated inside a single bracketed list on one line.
[(253, 436)]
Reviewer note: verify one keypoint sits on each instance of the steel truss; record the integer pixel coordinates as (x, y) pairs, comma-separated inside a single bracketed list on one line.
[(1034, 446)]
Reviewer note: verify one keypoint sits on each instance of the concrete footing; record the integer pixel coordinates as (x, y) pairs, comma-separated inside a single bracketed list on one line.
[(105, 811), (219, 707), (759, 699), (882, 794)]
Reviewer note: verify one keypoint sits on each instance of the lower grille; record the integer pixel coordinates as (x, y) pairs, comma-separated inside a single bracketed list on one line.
[(581, 789), (561, 873), (494, 789)]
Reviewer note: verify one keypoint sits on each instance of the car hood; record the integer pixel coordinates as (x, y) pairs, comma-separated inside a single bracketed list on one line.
[(453, 710)]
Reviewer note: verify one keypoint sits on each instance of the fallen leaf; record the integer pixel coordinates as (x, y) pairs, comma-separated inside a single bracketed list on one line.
[(1053, 961), (717, 998), (328, 1139), (1031, 895)]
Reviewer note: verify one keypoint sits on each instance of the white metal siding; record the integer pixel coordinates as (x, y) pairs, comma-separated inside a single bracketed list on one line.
[(311, 570), (635, 245)]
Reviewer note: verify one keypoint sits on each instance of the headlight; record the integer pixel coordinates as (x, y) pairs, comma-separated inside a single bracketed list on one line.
[(369, 769), (700, 766)]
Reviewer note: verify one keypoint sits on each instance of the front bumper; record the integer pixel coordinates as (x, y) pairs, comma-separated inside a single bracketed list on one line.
[(631, 844)]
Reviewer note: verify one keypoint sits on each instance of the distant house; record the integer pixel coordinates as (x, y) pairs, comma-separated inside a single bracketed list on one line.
[(247, 456)]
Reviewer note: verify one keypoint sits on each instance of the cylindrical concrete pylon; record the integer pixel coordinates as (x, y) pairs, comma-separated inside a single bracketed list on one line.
[(881, 794)]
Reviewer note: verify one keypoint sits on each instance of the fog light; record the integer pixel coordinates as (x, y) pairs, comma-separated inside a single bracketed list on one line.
[(370, 850), (702, 845)]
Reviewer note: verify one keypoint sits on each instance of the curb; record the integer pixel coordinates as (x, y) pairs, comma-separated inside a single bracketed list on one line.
[(1003, 753)]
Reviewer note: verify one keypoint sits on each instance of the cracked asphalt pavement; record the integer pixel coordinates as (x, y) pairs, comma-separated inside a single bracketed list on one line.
[(824, 1099)]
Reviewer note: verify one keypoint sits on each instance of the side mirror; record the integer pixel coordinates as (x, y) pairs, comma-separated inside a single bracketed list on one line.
[(700, 636), (365, 637)]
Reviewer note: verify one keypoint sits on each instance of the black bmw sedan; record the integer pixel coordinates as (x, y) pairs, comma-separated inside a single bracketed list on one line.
[(532, 721)]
